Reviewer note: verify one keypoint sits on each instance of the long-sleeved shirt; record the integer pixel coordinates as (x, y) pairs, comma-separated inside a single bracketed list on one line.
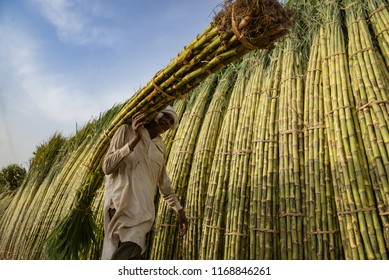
[(132, 178)]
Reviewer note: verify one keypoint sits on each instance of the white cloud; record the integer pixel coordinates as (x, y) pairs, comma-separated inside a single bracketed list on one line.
[(77, 21), (35, 102), (57, 95)]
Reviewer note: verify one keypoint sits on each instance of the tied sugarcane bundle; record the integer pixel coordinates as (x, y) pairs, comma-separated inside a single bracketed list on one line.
[(238, 28)]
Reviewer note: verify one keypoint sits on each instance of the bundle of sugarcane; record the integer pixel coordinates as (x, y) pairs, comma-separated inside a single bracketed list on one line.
[(212, 239), (371, 92), (322, 226), (236, 245), (168, 137), (179, 162), (291, 175), (46, 195), (202, 161), (361, 230), (98, 204), (378, 16), (45, 160), (264, 167), (240, 27), (64, 196)]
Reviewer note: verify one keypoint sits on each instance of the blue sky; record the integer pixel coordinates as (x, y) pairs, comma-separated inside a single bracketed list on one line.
[(64, 62)]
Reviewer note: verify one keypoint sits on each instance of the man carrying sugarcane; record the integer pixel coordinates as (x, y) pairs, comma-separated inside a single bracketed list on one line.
[(134, 166)]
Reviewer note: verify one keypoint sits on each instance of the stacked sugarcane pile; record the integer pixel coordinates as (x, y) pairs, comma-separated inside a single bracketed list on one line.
[(215, 202), (43, 163), (358, 216), (369, 80), (282, 155), (322, 227), (291, 175), (377, 14), (202, 161), (168, 137), (264, 166), (237, 29), (44, 198), (179, 163), (238, 187)]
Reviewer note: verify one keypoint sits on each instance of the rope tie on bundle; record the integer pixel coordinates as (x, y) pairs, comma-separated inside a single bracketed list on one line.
[(265, 141), (291, 131), (195, 218), (324, 232), (339, 108), (379, 9), (214, 227), (291, 214), (242, 152), (291, 78), (236, 234), (382, 32), (318, 126), (203, 151), (369, 209), (185, 152), (367, 105), (349, 5), (333, 55), (314, 70), (106, 135), (158, 89), (361, 51), (265, 230), (233, 108)]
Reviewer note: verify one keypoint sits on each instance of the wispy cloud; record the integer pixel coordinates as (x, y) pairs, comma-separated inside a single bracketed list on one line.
[(57, 95), (79, 22), (35, 102)]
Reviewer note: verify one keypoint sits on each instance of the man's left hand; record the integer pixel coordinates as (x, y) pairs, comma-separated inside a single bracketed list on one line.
[(183, 222)]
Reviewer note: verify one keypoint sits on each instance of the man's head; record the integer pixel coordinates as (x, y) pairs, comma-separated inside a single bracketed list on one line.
[(167, 119)]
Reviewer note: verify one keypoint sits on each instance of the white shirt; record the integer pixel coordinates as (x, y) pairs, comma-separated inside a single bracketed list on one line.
[(132, 178)]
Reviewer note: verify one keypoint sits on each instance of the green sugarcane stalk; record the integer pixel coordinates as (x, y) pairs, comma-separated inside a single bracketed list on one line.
[(238, 186), (262, 223), (202, 161), (168, 137), (369, 89), (150, 105), (378, 14), (181, 158), (350, 159), (320, 200), (291, 211), (215, 204)]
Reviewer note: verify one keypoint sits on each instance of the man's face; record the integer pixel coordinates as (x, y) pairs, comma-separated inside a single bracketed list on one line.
[(165, 122)]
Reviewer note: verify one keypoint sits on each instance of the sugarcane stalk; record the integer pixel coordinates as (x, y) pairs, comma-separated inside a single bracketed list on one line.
[(178, 166), (263, 221), (378, 15), (199, 176), (216, 200), (369, 88), (355, 188), (290, 130), (236, 226), (322, 228), (152, 102)]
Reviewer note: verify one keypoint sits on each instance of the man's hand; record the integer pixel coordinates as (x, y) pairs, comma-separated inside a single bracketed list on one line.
[(137, 124), (183, 222)]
